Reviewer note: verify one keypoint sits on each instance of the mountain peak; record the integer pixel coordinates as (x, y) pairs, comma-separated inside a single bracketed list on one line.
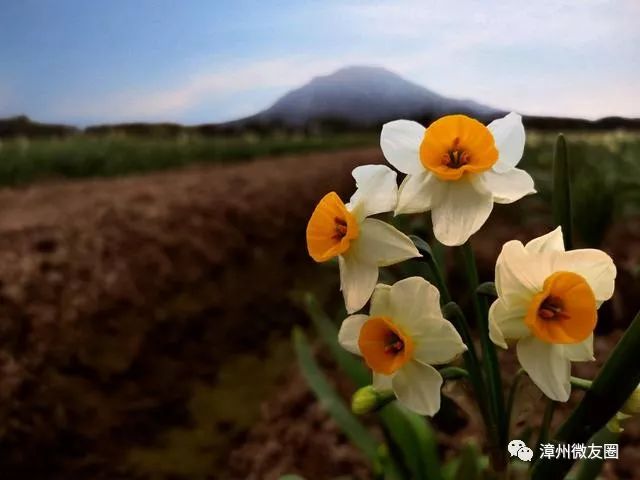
[(364, 95)]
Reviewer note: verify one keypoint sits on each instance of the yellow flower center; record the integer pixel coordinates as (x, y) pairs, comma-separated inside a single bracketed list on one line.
[(330, 229), (565, 311), (456, 144), (384, 346)]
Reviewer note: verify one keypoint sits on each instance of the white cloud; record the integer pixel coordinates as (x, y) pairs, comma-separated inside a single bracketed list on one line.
[(526, 55), (462, 23), (218, 84)]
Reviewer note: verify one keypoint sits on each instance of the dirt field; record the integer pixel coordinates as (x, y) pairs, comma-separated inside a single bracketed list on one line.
[(120, 301), (143, 322)]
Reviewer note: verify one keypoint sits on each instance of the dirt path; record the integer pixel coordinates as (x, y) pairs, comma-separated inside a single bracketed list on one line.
[(118, 297), (55, 202)]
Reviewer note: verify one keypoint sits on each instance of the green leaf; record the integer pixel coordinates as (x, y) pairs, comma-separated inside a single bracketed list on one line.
[(562, 191), (469, 463), (291, 477), (616, 381), (487, 289), (589, 469), (328, 333), (330, 400), (423, 247), (415, 440), (498, 424)]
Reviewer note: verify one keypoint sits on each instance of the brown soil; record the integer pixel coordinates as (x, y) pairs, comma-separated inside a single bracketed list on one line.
[(122, 299), (141, 323), (296, 436)]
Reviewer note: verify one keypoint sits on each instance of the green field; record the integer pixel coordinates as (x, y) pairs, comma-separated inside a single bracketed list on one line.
[(605, 165), (25, 160)]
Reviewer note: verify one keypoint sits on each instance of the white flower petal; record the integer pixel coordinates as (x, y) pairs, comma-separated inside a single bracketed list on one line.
[(508, 133), (400, 141), (580, 352), (506, 187), (547, 367), (507, 323), (418, 193), (350, 332), (380, 304), (520, 275), (382, 382), (377, 190), (460, 213), (417, 387), (551, 242), (381, 244), (594, 265), (414, 305), (357, 281), (438, 345)]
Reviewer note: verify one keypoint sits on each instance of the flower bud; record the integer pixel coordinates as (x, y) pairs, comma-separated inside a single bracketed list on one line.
[(367, 400), (632, 405), (614, 425)]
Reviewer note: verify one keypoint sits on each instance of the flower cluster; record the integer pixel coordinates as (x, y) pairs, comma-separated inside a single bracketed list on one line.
[(457, 168)]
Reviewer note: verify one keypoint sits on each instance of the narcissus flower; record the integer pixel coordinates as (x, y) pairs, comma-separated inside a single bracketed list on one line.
[(401, 338), (361, 244), (457, 168), (548, 301)]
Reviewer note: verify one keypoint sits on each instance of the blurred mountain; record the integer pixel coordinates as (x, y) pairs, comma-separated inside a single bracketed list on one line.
[(364, 96), (23, 126), (351, 98)]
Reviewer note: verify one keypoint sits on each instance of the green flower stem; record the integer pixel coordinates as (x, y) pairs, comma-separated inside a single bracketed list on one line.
[(562, 191), (589, 469), (581, 383), (546, 422), (434, 268), (512, 396), (453, 373), (490, 356), (609, 391), (455, 315), (452, 312)]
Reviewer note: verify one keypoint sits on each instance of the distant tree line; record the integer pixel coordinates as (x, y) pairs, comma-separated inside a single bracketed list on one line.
[(22, 126)]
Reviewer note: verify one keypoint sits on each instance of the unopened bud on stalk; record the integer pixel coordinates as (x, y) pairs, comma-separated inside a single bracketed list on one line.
[(632, 405), (367, 400), (614, 426)]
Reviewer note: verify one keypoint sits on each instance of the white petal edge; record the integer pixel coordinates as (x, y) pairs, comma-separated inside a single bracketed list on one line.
[(547, 367), (507, 323), (461, 212), (400, 142), (349, 333), (520, 275), (439, 344), (376, 190), (580, 352), (594, 265), (357, 281), (381, 244), (414, 305), (551, 242), (418, 193), (417, 387), (508, 133), (506, 187), (382, 382), (380, 305)]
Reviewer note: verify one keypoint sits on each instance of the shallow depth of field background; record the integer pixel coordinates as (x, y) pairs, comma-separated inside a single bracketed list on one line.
[(150, 267)]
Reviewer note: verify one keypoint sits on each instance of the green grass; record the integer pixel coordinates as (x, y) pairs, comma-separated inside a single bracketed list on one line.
[(605, 171), (27, 160), (605, 165)]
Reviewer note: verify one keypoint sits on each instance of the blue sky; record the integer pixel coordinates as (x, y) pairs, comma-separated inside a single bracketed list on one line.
[(195, 61)]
